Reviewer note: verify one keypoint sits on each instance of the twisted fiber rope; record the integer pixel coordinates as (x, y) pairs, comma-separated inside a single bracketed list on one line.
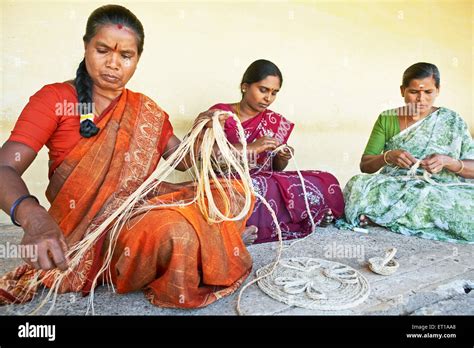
[(133, 206), (204, 176), (427, 177), (308, 282), (315, 284), (386, 265)]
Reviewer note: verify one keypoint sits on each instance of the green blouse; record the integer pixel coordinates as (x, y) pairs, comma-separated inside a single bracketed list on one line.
[(385, 128)]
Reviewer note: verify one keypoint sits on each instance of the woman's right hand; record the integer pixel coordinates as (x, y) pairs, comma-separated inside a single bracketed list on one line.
[(207, 115), (44, 236), (400, 158), (263, 144)]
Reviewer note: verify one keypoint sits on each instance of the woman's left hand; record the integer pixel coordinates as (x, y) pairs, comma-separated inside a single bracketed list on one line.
[(285, 153), (435, 163)]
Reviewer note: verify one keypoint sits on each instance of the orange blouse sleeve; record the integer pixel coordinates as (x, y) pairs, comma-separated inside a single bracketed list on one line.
[(38, 120)]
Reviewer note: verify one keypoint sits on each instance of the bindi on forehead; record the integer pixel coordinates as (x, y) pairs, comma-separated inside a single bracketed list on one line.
[(119, 26)]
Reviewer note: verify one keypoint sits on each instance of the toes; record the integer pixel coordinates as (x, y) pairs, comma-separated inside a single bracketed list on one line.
[(252, 229), (249, 241), (250, 235), (363, 221)]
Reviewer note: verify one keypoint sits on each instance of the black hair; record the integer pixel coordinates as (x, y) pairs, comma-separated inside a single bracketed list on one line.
[(420, 71), (105, 15), (259, 70)]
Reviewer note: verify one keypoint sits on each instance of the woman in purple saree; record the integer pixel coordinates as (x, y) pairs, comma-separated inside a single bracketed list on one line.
[(265, 130)]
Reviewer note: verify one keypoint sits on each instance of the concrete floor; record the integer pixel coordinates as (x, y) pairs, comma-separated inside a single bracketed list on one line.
[(434, 278)]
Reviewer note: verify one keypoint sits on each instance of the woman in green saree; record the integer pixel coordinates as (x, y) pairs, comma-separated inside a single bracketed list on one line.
[(435, 199)]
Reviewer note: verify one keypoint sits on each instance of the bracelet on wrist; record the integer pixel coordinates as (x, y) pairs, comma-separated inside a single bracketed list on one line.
[(15, 206), (385, 157), (462, 167)]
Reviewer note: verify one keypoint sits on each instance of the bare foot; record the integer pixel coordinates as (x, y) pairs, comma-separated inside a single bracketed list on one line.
[(365, 221), (250, 235)]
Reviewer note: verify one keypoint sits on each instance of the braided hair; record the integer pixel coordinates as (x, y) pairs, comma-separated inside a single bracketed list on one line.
[(105, 15)]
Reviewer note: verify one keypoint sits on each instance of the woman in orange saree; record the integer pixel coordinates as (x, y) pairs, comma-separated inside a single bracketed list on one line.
[(173, 253)]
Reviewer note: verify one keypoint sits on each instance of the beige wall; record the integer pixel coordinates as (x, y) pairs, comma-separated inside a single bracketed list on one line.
[(342, 61)]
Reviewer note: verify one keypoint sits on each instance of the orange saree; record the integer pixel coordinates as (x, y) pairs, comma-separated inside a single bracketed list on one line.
[(173, 254)]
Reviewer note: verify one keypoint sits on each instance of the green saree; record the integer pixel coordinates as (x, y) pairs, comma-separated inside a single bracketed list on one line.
[(411, 205)]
